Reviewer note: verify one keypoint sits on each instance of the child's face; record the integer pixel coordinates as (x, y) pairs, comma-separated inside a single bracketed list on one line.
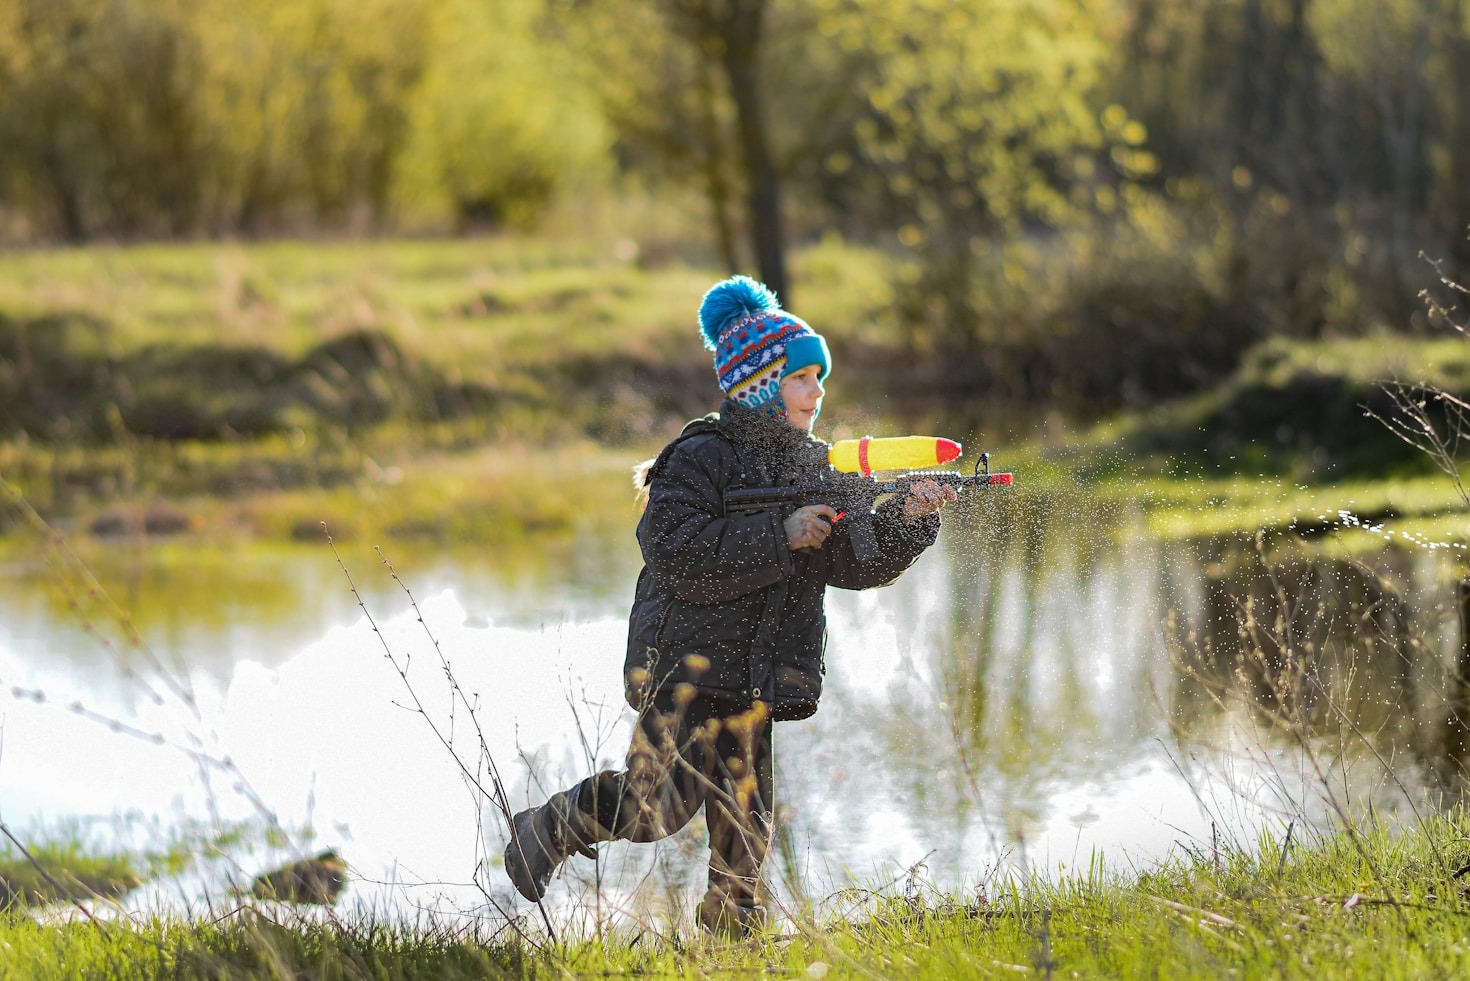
[(802, 392)]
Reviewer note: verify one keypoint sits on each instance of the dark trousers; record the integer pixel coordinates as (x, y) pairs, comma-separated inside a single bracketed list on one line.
[(690, 752)]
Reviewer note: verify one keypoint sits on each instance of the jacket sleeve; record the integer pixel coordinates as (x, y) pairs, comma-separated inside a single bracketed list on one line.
[(899, 546), (691, 548)]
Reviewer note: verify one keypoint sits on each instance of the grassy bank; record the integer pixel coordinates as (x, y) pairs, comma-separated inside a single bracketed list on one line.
[(262, 389), (444, 391), (1363, 902), (515, 338), (1293, 441)]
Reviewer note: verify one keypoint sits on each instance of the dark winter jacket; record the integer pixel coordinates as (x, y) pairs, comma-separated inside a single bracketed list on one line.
[(723, 604)]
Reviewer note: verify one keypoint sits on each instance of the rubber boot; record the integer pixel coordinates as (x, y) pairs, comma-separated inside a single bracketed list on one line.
[(541, 838), (722, 917), (731, 907)]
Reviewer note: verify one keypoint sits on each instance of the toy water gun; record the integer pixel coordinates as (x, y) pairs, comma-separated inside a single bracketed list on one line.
[(853, 490), (892, 453)]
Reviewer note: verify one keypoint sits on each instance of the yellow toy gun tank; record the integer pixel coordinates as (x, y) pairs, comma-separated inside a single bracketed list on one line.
[(892, 453)]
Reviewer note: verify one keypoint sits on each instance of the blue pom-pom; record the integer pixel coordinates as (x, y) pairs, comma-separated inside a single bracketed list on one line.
[(727, 300)]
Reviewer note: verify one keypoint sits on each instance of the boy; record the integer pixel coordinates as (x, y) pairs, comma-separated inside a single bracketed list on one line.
[(728, 628)]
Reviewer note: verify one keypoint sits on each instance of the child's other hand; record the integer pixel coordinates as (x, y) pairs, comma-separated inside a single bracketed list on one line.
[(926, 497), (809, 527)]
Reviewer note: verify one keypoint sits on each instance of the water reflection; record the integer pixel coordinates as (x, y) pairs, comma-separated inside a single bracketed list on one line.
[(1066, 685), (1047, 686)]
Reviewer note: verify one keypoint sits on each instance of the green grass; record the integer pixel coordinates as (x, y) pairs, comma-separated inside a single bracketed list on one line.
[(261, 387), (78, 861), (1366, 901), (510, 355), (287, 293), (1284, 445), (495, 494), (283, 294), (501, 310), (1302, 410), (1231, 505), (218, 340), (66, 869), (251, 945), (1177, 500)]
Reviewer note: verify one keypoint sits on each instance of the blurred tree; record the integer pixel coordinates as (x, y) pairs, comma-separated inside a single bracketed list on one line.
[(1333, 133), (742, 98), (705, 105), (949, 120), (1230, 93), (664, 101), (173, 117), (307, 102), (1396, 65), (504, 117), (734, 28), (977, 125), (91, 125), (1451, 152)]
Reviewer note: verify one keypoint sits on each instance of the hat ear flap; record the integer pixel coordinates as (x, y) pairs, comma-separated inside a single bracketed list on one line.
[(731, 299)]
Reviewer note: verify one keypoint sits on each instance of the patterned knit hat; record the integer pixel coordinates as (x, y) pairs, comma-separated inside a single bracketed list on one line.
[(756, 343)]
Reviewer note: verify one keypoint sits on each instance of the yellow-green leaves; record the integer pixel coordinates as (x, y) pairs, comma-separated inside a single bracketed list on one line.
[(165, 117), (500, 122)]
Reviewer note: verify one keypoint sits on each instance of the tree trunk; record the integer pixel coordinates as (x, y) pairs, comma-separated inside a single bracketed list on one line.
[(742, 37), (1454, 183), (66, 197), (717, 186)]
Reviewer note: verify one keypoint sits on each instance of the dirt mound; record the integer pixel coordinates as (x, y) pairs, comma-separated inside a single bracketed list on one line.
[(59, 382)]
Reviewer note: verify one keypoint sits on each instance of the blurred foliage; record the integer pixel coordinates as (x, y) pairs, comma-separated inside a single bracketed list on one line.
[(66, 864), (1095, 202), (161, 117), (86, 859), (498, 128), (1301, 409), (1329, 138)]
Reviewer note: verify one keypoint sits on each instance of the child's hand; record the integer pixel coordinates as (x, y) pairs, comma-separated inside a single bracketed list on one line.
[(809, 527), (926, 497)]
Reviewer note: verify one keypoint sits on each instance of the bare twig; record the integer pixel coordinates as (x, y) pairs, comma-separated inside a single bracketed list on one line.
[(495, 794)]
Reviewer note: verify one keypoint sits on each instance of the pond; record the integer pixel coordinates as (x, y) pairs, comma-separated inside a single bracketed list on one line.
[(1049, 691)]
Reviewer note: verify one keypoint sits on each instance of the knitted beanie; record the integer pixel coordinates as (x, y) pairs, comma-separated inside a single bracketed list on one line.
[(756, 343)]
